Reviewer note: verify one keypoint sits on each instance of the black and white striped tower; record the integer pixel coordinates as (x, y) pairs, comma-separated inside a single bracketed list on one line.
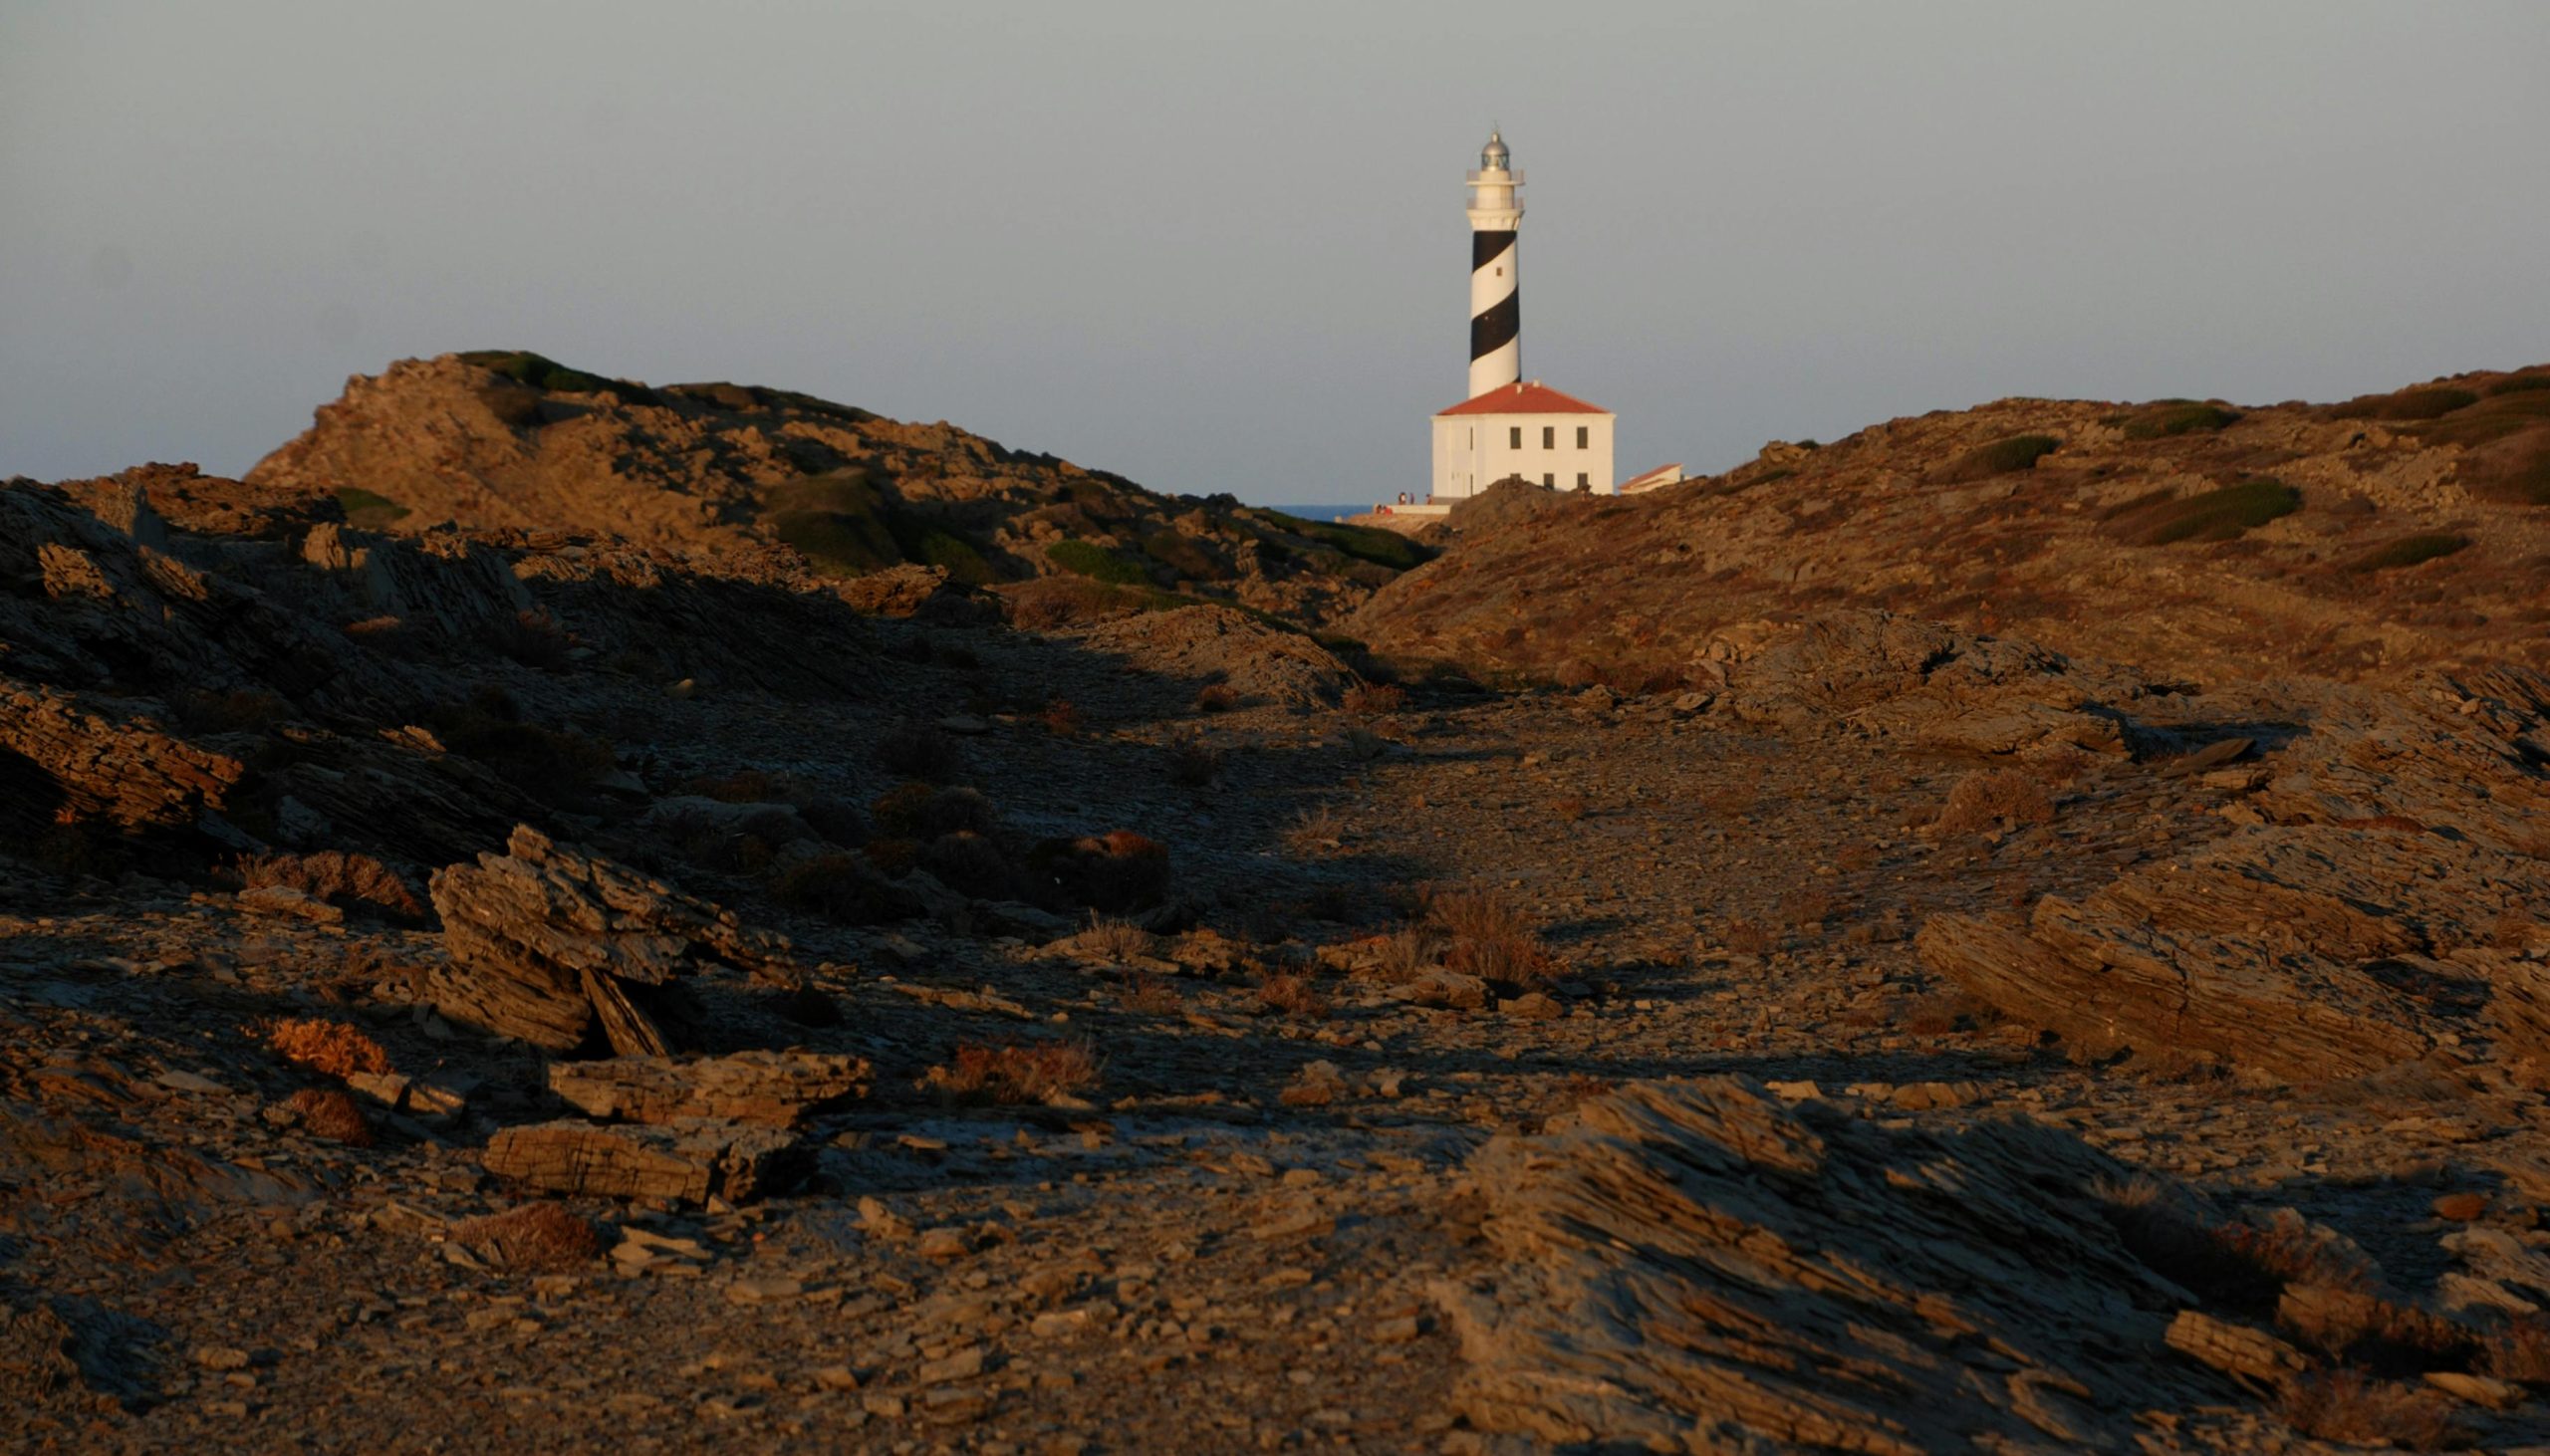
[(1496, 307)]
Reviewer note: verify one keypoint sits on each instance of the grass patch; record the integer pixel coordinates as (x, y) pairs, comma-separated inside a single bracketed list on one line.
[(1362, 543), (2213, 515), (2017, 452), (1086, 559), (2409, 550), (2163, 419), (369, 511)]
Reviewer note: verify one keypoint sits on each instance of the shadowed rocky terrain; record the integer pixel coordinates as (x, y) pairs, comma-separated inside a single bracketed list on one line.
[(583, 963)]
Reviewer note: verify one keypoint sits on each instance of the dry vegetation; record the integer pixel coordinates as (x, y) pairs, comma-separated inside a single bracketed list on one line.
[(1999, 799), (1040, 1071), (329, 1047), (531, 1238), (1490, 936), (330, 1113)]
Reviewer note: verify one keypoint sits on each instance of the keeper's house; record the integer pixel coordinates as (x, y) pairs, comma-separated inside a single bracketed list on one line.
[(1524, 429)]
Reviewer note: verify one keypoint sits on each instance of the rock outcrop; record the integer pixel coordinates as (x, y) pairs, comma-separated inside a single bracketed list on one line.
[(2379, 907), (556, 947), (773, 480), (1704, 1268), (2343, 541)]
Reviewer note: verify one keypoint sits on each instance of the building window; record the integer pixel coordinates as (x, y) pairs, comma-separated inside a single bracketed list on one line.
[(1548, 481), (1549, 437), (1581, 482), (1583, 433), (1519, 438)]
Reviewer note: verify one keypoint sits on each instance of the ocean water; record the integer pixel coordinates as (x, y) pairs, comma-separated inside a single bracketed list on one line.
[(1323, 512)]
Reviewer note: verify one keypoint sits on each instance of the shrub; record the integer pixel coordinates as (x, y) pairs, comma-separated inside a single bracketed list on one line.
[(2213, 515), (1085, 559), (2519, 1349), (2165, 417), (919, 812), (367, 510), (1362, 543), (1117, 940), (919, 751), (541, 372), (1182, 555), (1216, 697), (1060, 717), (841, 886), (1016, 1074), (330, 1113), (1992, 799), (329, 1047), (1289, 995), (1051, 602), (226, 712), (2351, 1406), (1374, 698), (2519, 475), (336, 876), (1749, 937), (973, 864), (1491, 937), (962, 559), (744, 786), (2521, 384), (2001, 457), (1115, 871), (540, 761), (2427, 402), (2409, 550), (531, 1238), (1193, 762), (1314, 831)]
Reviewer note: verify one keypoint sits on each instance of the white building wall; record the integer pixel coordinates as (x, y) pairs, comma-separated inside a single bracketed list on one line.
[(1474, 451)]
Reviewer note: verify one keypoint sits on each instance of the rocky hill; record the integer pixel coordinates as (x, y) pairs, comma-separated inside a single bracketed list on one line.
[(2341, 541), (511, 440), (556, 990)]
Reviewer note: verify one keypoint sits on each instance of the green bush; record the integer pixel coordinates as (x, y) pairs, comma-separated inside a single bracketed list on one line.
[(365, 509), (2427, 402), (2165, 417), (838, 541), (543, 372), (1182, 555), (2521, 385), (2018, 452), (2408, 551), (2213, 515), (1364, 542), (937, 548), (1097, 563)]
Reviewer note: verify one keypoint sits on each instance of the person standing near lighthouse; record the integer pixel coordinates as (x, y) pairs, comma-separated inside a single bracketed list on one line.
[(1496, 305)]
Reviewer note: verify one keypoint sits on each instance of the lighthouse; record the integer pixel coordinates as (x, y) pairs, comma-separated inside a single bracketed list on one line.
[(1509, 428), (1496, 305)]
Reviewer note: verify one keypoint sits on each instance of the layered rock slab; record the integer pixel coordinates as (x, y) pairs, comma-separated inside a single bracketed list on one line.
[(2383, 904), (1704, 1268), (550, 945)]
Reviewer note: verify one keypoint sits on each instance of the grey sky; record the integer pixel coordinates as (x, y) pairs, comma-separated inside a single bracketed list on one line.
[(1221, 247)]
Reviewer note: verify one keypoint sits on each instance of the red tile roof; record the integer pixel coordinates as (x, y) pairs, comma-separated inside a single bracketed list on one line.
[(1533, 397)]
